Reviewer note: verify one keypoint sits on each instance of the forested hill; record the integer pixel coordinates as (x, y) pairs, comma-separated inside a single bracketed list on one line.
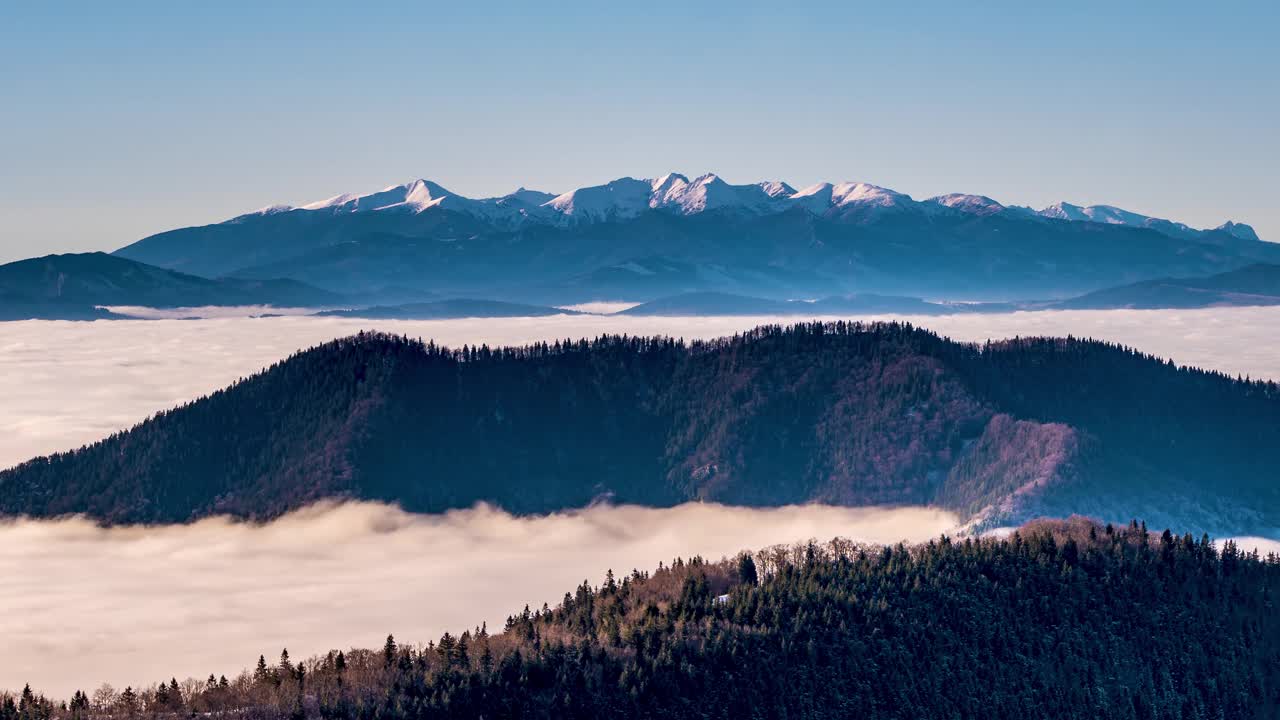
[(836, 413), (1063, 620)]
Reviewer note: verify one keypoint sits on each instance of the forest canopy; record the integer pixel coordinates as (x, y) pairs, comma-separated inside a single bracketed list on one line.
[(838, 413)]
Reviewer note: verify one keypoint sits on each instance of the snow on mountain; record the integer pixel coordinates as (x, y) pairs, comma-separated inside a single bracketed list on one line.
[(851, 200), (673, 192), (776, 189), (1112, 215), (414, 196), (710, 192), (1108, 214), (865, 196), (629, 197), (1065, 211), (623, 198), (268, 210), (814, 198), (970, 204), (417, 196)]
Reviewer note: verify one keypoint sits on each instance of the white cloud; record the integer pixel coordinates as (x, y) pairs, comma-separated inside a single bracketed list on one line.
[(81, 605), (64, 384), (1263, 546), (600, 306), (205, 311)]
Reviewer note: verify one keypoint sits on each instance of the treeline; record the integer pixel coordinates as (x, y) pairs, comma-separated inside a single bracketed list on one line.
[(841, 413), (1063, 619)]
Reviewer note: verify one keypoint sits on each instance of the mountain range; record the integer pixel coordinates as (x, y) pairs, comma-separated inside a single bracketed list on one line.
[(1254, 285), (846, 414), (78, 286), (629, 197), (639, 240)]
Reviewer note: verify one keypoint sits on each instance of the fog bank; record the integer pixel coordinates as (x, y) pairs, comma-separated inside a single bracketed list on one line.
[(1260, 545), (64, 384), (81, 605)]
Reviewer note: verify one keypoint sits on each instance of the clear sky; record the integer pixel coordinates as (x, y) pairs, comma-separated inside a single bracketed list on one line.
[(118, 120)]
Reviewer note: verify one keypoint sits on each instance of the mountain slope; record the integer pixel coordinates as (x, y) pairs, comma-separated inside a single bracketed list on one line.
[(22, 307), (844, 414), (787, 255), (90, 279), (763, 239), (1257, 284)]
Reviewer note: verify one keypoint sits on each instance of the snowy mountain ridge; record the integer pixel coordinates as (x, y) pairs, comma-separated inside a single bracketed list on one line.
[(629, 197)]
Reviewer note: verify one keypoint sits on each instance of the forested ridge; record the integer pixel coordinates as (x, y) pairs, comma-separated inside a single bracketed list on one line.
[(840, 413), (1062, 619)]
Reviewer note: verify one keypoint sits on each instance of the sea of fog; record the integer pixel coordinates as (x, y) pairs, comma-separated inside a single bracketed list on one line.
[(65, 383), (80, 605)]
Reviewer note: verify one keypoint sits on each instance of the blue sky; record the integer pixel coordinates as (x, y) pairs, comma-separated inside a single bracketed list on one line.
[(118, 120)]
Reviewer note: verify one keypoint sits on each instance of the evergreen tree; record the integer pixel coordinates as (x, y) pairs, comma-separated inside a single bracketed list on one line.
[(747, 569)]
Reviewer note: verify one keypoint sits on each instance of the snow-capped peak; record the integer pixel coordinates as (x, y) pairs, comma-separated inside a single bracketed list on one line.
[(849, 193), (416, 195), (822, 189), (268, 210), (971, 204), (624, 197), (675, 193), (668, 181), (1108, 214), (850, 200), (667, 186), (776, 189), (1112, 215), (1064, 211)]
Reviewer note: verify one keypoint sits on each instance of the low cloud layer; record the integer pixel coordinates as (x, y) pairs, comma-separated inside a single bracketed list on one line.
[(1262, 546), (64, 384), (81, 605)]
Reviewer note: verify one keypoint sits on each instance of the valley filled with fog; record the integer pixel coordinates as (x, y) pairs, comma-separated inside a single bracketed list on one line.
[(66, 383), (82, 605)]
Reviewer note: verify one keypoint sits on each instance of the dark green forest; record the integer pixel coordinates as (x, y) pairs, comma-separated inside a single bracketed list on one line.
[(1062, 619), (841, 413)]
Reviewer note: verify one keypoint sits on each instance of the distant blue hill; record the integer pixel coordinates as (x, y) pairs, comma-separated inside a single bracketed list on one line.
[(1253, 285), (76, 286)]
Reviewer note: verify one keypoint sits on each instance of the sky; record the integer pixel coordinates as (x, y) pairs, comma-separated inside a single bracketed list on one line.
[(118, 120)]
